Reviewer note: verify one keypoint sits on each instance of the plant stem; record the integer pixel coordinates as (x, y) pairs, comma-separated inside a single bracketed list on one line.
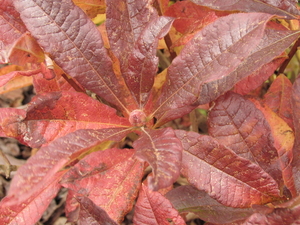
[(290, 55)]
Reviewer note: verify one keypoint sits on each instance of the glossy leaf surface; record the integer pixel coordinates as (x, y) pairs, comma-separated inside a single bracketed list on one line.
[(189, 199), (64, 31), (236, 123), (163, 151), (226, 177), (98, 176), (287, 8), (197, 68), (154, 209)]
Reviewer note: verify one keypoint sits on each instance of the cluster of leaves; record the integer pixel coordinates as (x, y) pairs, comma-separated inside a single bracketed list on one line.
[(96, 86)]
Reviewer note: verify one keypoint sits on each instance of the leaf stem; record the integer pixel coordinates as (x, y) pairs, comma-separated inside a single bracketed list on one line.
[(290, 55), (72, 83)]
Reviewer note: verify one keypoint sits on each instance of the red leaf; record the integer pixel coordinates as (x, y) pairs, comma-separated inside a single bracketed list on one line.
[(9, 118), (142, 62), (257, 78), (278, 98), (163, 151), (15, 209), (59, 31), (50, 159), (84, 211), (283, 137), (152, 208), (295, 100), (188, 199), (99, 176), (236, 123), (11, 27), (55, 114), (226, 177), (195, 74), (125, 22), (287, 8)]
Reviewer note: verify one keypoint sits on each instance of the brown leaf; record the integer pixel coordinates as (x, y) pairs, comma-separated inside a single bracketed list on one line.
[(163, 151), (99, 176), (226, 177), (91, 7), (152, 208)]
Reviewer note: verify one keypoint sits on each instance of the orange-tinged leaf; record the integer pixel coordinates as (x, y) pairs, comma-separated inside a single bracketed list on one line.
[(163, 151), (152, 208), (91, 7), (99, 175), (278, 98), (225, 176), (283, 137), (236, 123)]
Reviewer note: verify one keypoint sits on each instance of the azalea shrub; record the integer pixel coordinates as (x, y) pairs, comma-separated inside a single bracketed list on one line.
[(110, 78)]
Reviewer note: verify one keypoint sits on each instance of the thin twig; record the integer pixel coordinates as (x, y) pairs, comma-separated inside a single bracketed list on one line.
[(290, 56)]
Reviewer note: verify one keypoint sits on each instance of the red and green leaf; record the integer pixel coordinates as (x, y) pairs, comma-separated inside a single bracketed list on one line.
[(110, 182), (163, 151), (225, 176), (154, 209)]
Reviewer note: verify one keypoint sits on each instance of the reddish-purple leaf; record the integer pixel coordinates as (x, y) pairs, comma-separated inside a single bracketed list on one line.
[(236, 123), (55, 114), (125, 22), (278, 98), (226, 177), (15, 209), (189, 199), (207, 59), (8, 121), (295, 99), (200, 75), (287, 8), (163, 151), (85, 211), (70, 37), (11, 27), (152, 208), (110, 178), (257, 78), (142, 62)]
